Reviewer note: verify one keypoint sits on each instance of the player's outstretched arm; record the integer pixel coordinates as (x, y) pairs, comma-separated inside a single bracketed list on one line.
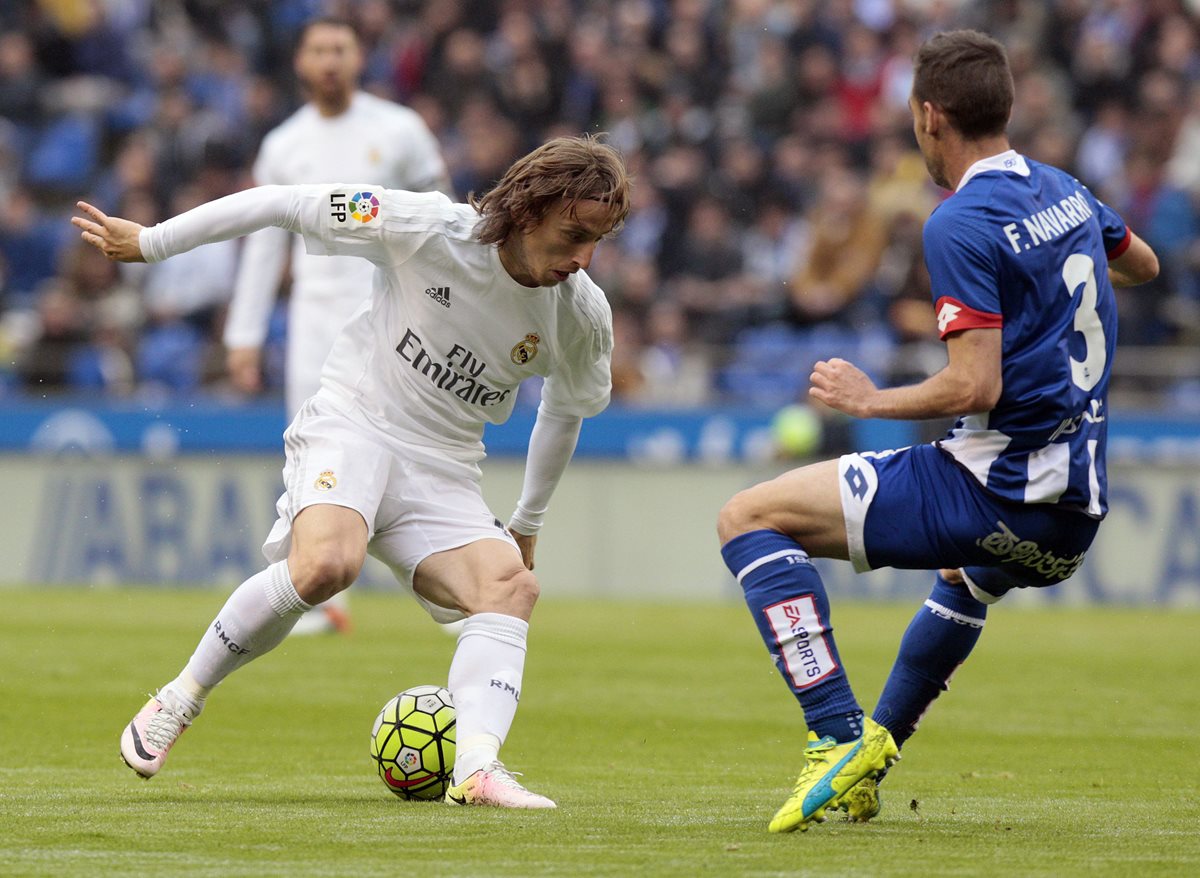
[(230, 217), (1137, 265), (971, 382), (116, 238)]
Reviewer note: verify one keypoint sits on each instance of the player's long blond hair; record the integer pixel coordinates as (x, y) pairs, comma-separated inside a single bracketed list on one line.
[(573, 168)]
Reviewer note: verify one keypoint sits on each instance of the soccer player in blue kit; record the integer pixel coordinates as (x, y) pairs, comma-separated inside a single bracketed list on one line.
[(1023, 260)]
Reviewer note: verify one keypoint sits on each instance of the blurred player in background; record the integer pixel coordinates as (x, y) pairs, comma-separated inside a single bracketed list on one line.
[(468, 301), (342, 133), (1023, 261)]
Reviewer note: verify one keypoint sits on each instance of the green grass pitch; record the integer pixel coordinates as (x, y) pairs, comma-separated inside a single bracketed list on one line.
[(1067, 746)]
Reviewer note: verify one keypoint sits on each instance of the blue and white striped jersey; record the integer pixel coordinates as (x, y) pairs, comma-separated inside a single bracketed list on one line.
[(1024, 247)]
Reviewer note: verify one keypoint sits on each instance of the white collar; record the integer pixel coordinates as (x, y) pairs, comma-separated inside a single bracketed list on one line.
[(1010, 161)]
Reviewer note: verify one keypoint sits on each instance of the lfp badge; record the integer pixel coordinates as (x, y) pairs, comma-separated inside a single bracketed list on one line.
[(364, 207)]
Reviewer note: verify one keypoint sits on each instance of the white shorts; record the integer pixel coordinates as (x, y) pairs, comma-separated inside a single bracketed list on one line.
[(411, 510)]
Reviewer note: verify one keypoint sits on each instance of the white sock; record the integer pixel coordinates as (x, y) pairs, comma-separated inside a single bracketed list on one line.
[(256, 618), (485, 682), (186, 692)]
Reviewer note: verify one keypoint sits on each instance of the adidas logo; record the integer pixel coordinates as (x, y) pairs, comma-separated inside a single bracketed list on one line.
[(441, 295)]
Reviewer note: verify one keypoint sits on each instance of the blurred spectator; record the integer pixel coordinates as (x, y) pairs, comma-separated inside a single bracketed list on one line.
[(10, 159), (61, 338), (845, 244), (859, 84), (31, 239), (741, 178), (21, 82), (772, 247), (627, 377), (481, 146), (675, 369), (1042, 103), (773, 95), (641, 237), (710, 258), (1100, 161), (1183, 168), (185, 297), (106, 364), (1167, 219)]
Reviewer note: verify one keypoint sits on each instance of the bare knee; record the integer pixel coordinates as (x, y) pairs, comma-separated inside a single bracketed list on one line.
[(741, 514), (318, 576), (512, 595)]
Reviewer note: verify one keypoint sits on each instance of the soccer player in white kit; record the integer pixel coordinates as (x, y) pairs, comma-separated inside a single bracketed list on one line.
[(342, 133), (467, 302)]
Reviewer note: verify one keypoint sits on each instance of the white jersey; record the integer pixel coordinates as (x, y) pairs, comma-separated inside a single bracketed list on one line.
[(373, 140), (447, 335)]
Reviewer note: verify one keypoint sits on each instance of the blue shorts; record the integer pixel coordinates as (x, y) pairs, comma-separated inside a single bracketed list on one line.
[(917, 509)]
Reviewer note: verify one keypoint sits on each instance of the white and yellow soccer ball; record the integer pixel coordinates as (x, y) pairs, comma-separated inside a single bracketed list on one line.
[(412, 743)]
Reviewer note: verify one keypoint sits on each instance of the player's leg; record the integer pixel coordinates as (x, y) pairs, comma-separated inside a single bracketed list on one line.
[(328, 547), (442, 542), (937, 641), (885, 514), (335, 477), (486, 581), (768, 533), (310, 336)]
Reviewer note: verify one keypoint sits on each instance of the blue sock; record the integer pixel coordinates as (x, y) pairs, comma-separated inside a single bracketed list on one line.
[(787, 599), (938, 640)]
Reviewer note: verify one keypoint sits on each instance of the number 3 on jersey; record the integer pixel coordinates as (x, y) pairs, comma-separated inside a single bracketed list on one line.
[(1080, 270)]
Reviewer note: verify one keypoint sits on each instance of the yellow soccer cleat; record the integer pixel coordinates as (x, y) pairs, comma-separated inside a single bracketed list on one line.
[(831, 770), (861, 802)]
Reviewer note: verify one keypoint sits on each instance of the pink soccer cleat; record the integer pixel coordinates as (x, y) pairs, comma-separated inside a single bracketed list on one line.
[(495, 786), (153, 732)]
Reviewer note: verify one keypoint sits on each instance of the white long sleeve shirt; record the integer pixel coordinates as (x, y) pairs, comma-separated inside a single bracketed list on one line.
[(439, 348)]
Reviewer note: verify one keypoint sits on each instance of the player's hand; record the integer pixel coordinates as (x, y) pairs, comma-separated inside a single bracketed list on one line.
[(526, 543), (245, 368), (116, 238), (841, 385)]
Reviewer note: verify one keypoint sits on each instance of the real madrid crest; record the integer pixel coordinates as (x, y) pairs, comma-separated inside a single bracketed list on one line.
[(526, 349), (326, 481)]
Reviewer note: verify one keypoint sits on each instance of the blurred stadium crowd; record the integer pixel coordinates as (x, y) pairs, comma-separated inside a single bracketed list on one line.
[(778, 201)]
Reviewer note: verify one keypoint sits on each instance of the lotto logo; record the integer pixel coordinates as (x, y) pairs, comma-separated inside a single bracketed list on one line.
[(946, 316), (857, 482)]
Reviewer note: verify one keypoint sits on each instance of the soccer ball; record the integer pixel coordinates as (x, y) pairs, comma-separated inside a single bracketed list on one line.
[(412, 743)]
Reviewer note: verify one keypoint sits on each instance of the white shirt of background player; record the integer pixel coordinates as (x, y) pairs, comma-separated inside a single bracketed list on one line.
[(340, 134)]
